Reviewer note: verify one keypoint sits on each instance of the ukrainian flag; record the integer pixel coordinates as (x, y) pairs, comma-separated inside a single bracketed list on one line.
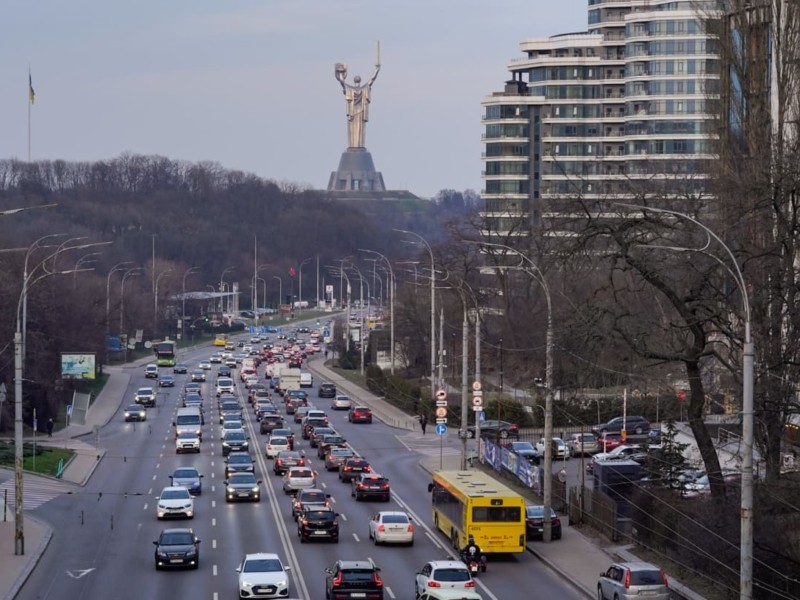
[(31, 93)]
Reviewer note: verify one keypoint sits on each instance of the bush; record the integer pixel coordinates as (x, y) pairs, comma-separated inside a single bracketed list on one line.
[(376, 381)]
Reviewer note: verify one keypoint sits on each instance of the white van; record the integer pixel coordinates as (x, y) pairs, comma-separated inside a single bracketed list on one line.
[(306, 380), (188, 419)]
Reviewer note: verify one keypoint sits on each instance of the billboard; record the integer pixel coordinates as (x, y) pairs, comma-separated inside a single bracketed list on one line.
[(77, 366)]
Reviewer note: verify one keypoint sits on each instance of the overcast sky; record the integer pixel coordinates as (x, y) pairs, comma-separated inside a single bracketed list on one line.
[(250, 84)]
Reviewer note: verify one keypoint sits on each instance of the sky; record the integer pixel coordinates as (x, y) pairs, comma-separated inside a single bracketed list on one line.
[(249, 84)]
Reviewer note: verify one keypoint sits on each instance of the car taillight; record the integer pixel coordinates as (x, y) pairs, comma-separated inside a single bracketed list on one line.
[(664, 578), (304, 521), (376, 578), (469, 584), (348, 469), (384, 486), (381, 528), (302, 462), (337, 581), (627, 579), (410, 528), (367, 469), (432, 583)]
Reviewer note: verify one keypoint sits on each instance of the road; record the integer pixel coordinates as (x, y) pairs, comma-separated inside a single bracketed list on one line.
[(102, 542)]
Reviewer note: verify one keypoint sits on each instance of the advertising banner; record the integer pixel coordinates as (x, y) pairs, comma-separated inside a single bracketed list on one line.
[(77, 366)]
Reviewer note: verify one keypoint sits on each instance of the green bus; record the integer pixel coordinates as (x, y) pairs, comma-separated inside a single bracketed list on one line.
[(165, 353)]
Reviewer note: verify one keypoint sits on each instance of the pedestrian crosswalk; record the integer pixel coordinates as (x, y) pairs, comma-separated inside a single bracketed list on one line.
[(35, 491)]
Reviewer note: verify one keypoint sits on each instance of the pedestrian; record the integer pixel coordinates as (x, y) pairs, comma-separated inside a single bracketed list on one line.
[(423, 422), (50, 425)]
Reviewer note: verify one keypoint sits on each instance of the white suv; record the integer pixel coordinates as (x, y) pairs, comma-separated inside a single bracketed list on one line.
[(151, 371), (447, 574), (224, 386)]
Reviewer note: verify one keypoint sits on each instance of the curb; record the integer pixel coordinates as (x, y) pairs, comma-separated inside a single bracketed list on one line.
[(36, 556), (562, 573)]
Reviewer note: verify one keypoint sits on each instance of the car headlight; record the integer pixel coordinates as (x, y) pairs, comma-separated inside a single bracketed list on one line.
[(231, 490), (281, 583), (254, 489), (162, 554), (162, 507)]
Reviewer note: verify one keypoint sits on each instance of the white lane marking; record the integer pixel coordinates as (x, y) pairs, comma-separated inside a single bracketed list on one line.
[(213, 504), (214, 570), (344, 517), (356, 538), (213, 521), (390, 592), (154, 476), (214, 543), (145, 506)]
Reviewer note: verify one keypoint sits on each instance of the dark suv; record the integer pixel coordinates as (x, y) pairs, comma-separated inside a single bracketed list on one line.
[(327, 390), (353, 579), (370, 485), (269, 422), (318, 524), (633, 424)]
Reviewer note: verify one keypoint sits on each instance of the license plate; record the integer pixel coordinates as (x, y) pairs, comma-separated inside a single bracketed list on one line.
[(320, 532), (243, 494), (358, 595), (175, 560)]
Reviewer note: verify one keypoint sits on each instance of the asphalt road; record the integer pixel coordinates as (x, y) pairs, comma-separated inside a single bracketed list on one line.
[(102, 543)]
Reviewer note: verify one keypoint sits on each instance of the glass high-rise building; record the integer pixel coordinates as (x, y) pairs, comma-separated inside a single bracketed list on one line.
[(624, 109)]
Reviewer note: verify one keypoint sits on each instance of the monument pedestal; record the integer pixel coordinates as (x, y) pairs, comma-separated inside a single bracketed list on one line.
[(356, 173)]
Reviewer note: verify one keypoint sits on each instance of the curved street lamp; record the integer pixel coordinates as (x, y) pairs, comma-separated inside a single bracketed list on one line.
[(222, 288), (188, 272), (155, 301), (280, 291), (748, 367), (300, 282)]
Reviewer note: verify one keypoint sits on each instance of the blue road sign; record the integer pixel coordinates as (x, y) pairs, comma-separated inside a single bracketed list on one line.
[(252, 328), (326, 332), (280, 329), (441, 429), (482, 415), (263, 329)]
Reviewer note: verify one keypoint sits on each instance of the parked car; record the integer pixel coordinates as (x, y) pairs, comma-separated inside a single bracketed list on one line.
[(608, 441), (583, 444), (534, 523), (493, 429), (525, 450), (624, 452), (559, 449), (633, 424), (633, 581)]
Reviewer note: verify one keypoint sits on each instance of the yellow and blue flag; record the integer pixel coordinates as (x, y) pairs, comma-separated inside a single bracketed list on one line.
[(31, 93)]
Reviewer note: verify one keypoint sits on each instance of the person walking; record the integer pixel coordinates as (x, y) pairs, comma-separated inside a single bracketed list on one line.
[(50, 426), (423, 422)]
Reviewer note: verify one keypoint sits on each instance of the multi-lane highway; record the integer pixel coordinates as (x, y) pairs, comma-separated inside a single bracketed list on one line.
[(102, 544)]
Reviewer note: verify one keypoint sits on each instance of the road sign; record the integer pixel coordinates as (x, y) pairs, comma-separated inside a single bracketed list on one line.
[(252, 328), (477, 409), (441, 429), (477, 401), (441, 394), (441, 412), (481, 416), (441, 403), (476, 386)]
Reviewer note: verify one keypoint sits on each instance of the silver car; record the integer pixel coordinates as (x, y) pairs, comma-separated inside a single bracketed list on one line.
[(633, 581), (298, 478)]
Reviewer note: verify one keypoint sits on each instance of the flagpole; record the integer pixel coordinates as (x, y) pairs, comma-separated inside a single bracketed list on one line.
[(31, 96)]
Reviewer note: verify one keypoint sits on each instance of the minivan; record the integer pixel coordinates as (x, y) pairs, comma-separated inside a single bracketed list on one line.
[(188, 419), (306, 380)]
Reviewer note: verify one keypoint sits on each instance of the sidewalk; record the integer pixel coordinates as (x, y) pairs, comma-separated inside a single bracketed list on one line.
[(14, 569)]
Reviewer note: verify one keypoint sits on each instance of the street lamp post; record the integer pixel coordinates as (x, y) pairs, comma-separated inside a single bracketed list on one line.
[(300, 282), (188, 272), (118, 267), (30, 279), (748, 432), (547, 485), (433, 308), (280, 291), (390, 292), (155, 301), (222, 288), (128, 273)]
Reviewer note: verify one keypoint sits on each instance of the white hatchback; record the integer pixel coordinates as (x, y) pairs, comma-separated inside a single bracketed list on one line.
[(444, 574), (276, 444), (391, 527)]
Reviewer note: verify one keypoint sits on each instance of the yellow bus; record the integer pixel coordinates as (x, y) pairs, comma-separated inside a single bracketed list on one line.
[(221, 339), (472, 503)]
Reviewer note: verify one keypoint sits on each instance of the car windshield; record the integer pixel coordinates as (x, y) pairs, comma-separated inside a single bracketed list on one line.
[(242, 478), (234, 436), (186, 435), (320, 515), (451, 575), (521, 446), (133, 407), (177, 494), (291, 455), (176, 538), (230, 406), (262, 565), (239, 459), (145, 391), (185, 473)]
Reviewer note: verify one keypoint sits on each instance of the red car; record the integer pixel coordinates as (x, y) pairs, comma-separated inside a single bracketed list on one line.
[(359, 414), (610, 441)]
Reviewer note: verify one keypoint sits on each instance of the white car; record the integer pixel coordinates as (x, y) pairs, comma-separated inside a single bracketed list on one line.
[(175, 501), (250, 381), (560, 449), (276, 444), (263, 576), (224, 386), (187, 441), (341, 402), (443, 574), (298, 478), (391, 527), (205, 365)]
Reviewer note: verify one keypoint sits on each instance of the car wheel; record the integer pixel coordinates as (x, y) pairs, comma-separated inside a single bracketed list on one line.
[(411, 543), (375, 540), (600, 593)]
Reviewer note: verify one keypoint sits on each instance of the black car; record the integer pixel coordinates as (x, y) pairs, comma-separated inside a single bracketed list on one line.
[(327, 390), (318, 524), (239, 462), (269, 422), (493, 429), (180, 368), (242, 486), (309, 499), (352, 468), (177, 547), (354, 579), (534, 523), (234, 441), (224, 371), (371, 485), (286, 459), (527, 451), (327, 442)]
